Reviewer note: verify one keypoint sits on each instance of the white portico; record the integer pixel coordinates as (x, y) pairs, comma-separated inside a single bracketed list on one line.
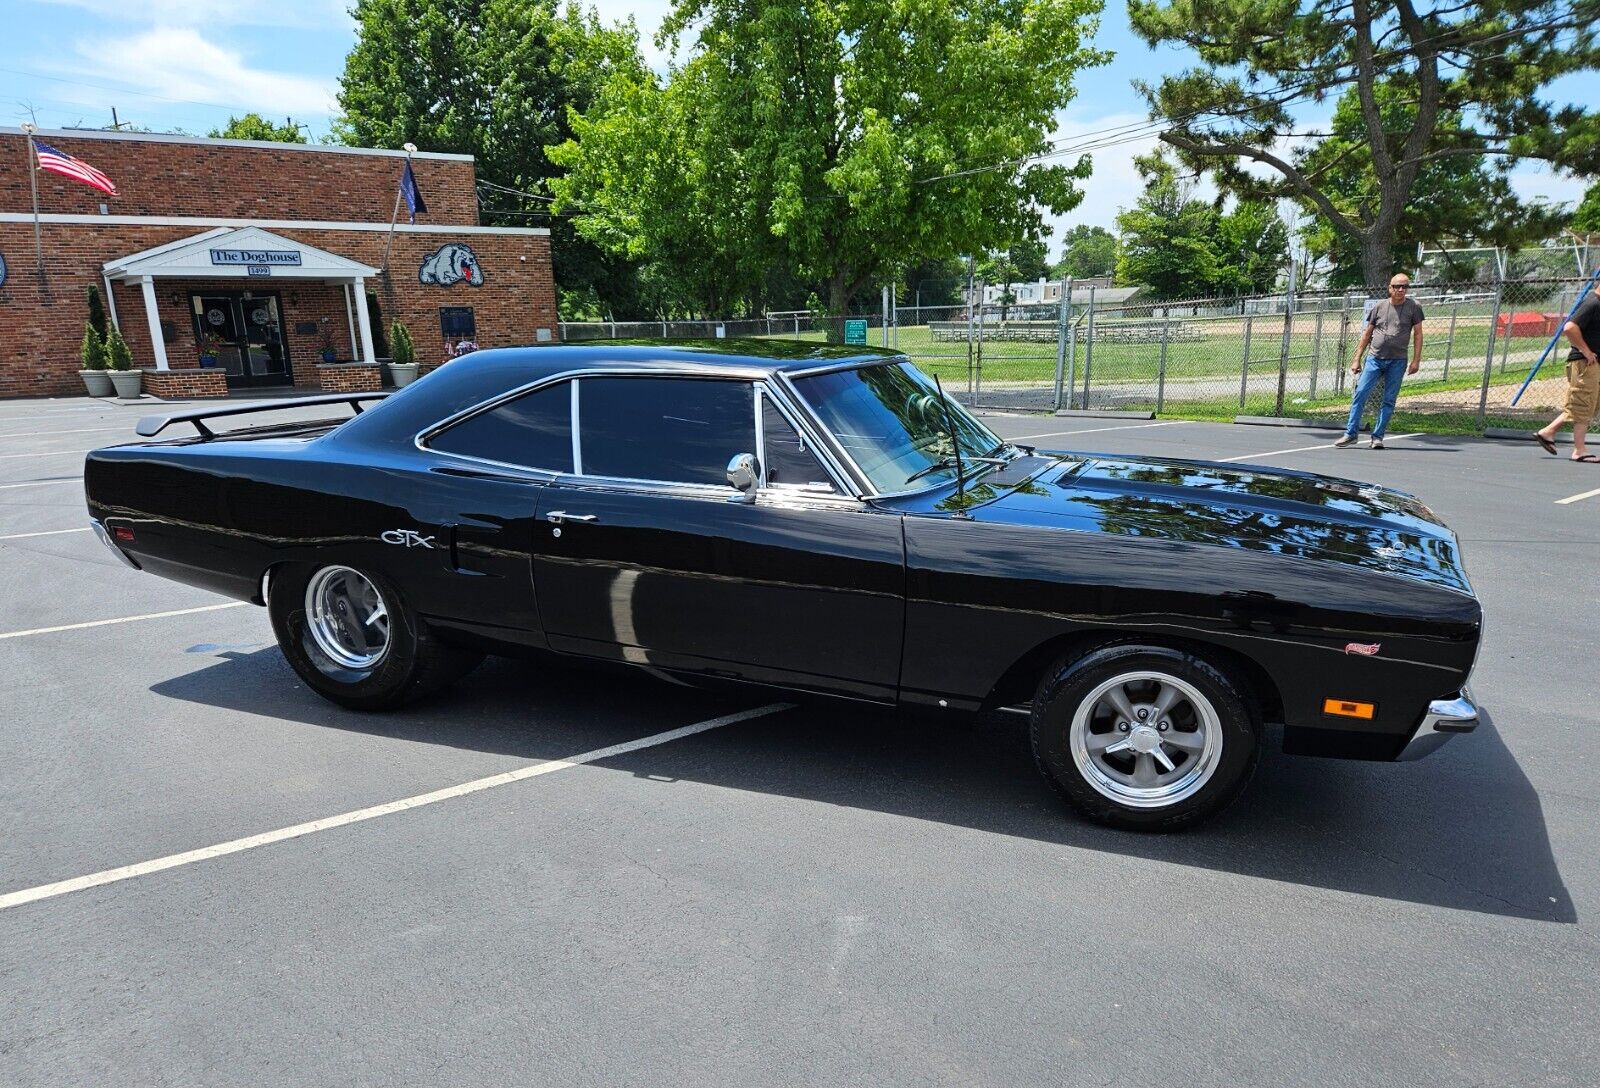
[(245, 258)]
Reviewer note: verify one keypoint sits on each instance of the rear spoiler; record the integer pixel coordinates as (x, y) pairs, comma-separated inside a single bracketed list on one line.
[(150, 426)]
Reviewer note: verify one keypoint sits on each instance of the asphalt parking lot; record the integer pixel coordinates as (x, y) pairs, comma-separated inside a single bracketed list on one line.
[(818, 894)]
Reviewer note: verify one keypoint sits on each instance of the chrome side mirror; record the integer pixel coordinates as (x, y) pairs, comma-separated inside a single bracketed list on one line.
[(744, 475)]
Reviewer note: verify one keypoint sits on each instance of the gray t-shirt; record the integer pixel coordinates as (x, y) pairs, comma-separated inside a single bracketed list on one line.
[(1391, 328)]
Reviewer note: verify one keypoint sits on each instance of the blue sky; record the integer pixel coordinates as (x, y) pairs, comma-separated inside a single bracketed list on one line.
[(189, 64)]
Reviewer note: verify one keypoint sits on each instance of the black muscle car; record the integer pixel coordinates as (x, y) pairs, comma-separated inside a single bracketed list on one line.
[(821, 519)]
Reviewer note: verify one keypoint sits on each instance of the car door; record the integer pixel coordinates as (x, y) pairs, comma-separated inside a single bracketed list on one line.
[(643, 554), (478, 499)]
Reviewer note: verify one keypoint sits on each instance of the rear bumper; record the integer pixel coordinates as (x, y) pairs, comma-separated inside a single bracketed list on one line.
[(105, 538), (1445, 718)]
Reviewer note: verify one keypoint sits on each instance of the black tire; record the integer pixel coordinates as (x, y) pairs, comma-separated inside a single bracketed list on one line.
[(1101, 786), (414, 663)]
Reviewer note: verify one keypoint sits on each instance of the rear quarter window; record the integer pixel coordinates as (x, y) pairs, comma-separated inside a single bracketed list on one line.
[(533, 430)]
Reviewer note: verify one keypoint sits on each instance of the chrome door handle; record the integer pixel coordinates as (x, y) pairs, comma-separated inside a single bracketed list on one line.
[(560, 517)]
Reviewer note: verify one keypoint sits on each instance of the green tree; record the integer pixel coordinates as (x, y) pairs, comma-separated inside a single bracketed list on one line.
[(1457, 198), (1167, 237), (405, 352), (97, 312), (494, 79), (92, 352), (118, 357), (1251, 244), (1586, 218), (1087, 252), (840, 138), (1021, 262), (253, 126), (1471, 71)]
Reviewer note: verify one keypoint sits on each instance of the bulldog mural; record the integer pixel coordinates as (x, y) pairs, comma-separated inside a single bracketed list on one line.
[(451, 264)]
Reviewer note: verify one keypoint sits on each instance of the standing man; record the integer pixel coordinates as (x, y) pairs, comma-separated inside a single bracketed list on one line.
[(1583, 379), (1389, 325)]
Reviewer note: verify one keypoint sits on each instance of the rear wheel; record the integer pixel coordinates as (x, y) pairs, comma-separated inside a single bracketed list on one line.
[(351, 637), (1144, 737)]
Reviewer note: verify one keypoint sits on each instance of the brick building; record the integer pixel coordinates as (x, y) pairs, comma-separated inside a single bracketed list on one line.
[(271, 249)]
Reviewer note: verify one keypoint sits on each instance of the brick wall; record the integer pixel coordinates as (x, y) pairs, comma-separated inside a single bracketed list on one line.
[(211, 178), (41, 322)]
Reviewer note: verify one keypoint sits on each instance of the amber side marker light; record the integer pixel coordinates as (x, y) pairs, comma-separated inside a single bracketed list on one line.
[(1341, 709)]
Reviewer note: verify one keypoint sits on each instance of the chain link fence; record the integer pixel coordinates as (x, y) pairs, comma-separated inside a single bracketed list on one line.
[(1281, 355)]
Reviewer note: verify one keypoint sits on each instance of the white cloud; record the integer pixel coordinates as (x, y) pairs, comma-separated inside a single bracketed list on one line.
[(177, 63)]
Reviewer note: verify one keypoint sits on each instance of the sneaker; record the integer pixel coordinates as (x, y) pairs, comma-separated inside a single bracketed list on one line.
[(1377, 444), (1346, 440)]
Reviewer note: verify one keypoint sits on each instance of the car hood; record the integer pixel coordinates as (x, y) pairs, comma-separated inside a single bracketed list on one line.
[(1298, 514)]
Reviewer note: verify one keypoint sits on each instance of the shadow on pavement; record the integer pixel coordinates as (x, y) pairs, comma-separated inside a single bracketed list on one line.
[(1462, 829)]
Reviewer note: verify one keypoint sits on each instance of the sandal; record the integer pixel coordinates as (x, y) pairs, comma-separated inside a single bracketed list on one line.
[(1588, 459), (1549, 446)]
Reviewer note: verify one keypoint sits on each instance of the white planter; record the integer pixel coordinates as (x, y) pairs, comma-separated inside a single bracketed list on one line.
[(404, 373), (126, 383), (96, 382)]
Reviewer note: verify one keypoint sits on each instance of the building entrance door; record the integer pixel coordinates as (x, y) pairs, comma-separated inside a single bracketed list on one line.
[(252, 351)]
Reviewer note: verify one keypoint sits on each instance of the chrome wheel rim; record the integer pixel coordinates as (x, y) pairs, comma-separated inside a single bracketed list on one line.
[(347, 617), (1146, 739)]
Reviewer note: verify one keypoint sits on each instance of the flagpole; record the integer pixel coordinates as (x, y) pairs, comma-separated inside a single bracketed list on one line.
[(394, 216), (33, 183)]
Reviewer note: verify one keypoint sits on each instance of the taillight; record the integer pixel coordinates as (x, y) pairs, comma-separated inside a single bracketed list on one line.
[(122, 532)]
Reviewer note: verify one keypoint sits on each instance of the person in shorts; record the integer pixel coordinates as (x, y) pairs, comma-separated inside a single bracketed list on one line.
[(1390, 324), (1583, 380)]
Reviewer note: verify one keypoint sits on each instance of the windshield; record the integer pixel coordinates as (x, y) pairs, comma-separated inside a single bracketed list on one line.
[(890, 420)]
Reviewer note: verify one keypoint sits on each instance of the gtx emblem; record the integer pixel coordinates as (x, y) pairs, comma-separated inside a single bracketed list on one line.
[(408, 538)]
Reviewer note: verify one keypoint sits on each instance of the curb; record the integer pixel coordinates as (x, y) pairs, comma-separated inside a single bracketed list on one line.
[(1285, 421), (1095, 413)]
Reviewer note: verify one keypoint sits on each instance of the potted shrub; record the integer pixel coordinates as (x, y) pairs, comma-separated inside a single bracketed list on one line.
[(329, 353), (124, 379), (93, 356), (404, 368)]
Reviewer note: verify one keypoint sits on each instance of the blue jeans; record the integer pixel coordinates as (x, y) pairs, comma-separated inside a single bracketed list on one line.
[(1392, 371)]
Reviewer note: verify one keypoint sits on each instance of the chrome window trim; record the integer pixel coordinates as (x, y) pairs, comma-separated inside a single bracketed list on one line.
[(854, 363), (761, 436), (572, 424), (846, 475), (770, 496)]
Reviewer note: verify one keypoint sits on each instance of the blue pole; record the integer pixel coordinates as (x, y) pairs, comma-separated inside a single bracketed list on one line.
[(1554, 340)]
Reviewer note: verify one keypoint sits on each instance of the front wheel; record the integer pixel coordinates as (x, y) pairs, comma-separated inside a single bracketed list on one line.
[(350, 636), (1144, 737)]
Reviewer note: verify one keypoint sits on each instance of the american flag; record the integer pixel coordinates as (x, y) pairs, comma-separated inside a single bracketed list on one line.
[(58, 163)]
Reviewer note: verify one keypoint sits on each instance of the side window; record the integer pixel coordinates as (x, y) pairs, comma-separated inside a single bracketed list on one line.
[(533, 430), (680, 430), (789, 463)]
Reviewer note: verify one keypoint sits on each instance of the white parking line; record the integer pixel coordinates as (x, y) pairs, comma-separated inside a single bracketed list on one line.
[(122, 619), (1305, 449), (311, 827), (41, 483), (51, 532), (1096, 430), (1570, 499), (42, 453), (65, 430)]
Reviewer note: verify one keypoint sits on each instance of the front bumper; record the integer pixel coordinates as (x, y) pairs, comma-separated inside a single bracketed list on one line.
[(1445, 718)]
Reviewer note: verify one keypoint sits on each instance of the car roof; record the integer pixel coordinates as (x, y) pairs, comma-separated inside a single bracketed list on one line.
[(488, 373), (741, 352)]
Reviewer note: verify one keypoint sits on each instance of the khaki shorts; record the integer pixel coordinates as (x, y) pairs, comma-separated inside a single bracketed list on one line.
[(1583, 391)]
